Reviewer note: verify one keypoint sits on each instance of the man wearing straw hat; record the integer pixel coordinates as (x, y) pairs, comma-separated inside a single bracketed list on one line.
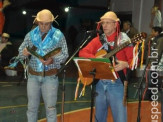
[(110, 93), (6, 51), (42, 79)]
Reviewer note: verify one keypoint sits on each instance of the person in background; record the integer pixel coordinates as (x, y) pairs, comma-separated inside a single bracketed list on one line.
[(155, 31), (42, 79), (3, 4), (155, 65), (110, 93), (156, 17), (2, 18), (155, 42), (6, 50), (129, 29)]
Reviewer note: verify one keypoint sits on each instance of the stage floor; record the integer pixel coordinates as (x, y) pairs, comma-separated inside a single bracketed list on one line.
[(147, 114), (13, 100)]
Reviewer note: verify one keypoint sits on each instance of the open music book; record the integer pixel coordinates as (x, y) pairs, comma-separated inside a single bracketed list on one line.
[(51, 53), (103, 67)]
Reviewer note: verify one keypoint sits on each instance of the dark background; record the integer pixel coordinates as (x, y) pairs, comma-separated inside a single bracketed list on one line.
[(18, 24), (73, 24)]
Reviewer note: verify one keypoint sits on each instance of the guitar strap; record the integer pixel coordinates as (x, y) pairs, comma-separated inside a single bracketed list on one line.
[(120, 73)]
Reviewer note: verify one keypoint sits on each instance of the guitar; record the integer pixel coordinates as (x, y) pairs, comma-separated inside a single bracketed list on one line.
[(139, 37)]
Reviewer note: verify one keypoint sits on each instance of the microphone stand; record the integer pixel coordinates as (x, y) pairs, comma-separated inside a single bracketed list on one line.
[(63, 67), (93, 94)]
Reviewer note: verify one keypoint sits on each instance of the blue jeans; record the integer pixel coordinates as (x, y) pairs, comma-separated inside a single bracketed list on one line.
[(47, 87), (110, 94)]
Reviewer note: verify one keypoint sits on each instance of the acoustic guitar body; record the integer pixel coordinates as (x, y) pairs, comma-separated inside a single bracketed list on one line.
[(84, 80), (101, 53)]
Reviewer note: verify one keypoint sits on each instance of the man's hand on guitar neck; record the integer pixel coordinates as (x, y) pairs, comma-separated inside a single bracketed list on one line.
[(120, 65)]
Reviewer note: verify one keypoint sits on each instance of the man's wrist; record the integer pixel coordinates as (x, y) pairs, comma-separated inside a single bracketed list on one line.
[(128, 65)]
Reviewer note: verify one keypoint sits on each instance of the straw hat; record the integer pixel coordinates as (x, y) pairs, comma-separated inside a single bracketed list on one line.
[(6, 35), (6, 3), (110, 15), (44, 16)]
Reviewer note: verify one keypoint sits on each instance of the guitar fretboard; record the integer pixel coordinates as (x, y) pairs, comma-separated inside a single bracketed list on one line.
[(117, 49), (138, 37)]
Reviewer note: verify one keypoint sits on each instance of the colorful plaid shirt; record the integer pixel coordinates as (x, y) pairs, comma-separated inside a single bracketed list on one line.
[(34, 61)]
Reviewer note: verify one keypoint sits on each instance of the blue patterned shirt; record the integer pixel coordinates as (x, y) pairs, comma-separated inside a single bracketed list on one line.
[(53, 40)]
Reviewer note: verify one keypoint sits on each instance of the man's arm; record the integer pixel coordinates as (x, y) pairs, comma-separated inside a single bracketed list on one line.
[(91, 49), (23, 53), (63, 55), (125, 57)]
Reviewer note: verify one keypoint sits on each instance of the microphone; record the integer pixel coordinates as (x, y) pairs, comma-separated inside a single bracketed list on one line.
[(93, 31)]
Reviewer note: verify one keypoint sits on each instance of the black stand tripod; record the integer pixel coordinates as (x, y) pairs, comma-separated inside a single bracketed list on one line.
[(94, 68), (140, 91), (93, 94), (63, 67)]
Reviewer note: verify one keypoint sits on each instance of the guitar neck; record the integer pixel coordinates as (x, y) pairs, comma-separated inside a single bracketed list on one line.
[(139, 37), (113, 52)]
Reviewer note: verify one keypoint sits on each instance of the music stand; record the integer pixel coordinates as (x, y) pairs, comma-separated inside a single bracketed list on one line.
[(95, 70)]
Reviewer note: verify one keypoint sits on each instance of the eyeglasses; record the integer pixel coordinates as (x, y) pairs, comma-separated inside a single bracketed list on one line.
[(4, 37), (107, 23)]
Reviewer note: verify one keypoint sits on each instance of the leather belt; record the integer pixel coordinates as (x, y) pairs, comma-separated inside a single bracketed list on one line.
[(46, 73)]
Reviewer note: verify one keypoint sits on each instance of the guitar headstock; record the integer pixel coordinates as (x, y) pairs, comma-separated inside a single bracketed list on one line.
[(139, 37)]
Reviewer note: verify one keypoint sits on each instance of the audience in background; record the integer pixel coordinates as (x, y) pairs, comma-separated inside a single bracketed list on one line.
[(6, 50), (155, 42), (129, 29), (1, 17), (156, 19), (155, 65), (3, 4)]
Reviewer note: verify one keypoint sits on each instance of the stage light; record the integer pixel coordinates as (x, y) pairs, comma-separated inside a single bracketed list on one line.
[(24, 12), (67, 9)]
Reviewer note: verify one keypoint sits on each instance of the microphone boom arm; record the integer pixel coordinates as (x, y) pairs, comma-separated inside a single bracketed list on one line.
[(76, 51)]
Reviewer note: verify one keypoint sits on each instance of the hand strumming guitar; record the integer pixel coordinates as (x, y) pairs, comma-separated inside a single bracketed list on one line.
[(120, 65)]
